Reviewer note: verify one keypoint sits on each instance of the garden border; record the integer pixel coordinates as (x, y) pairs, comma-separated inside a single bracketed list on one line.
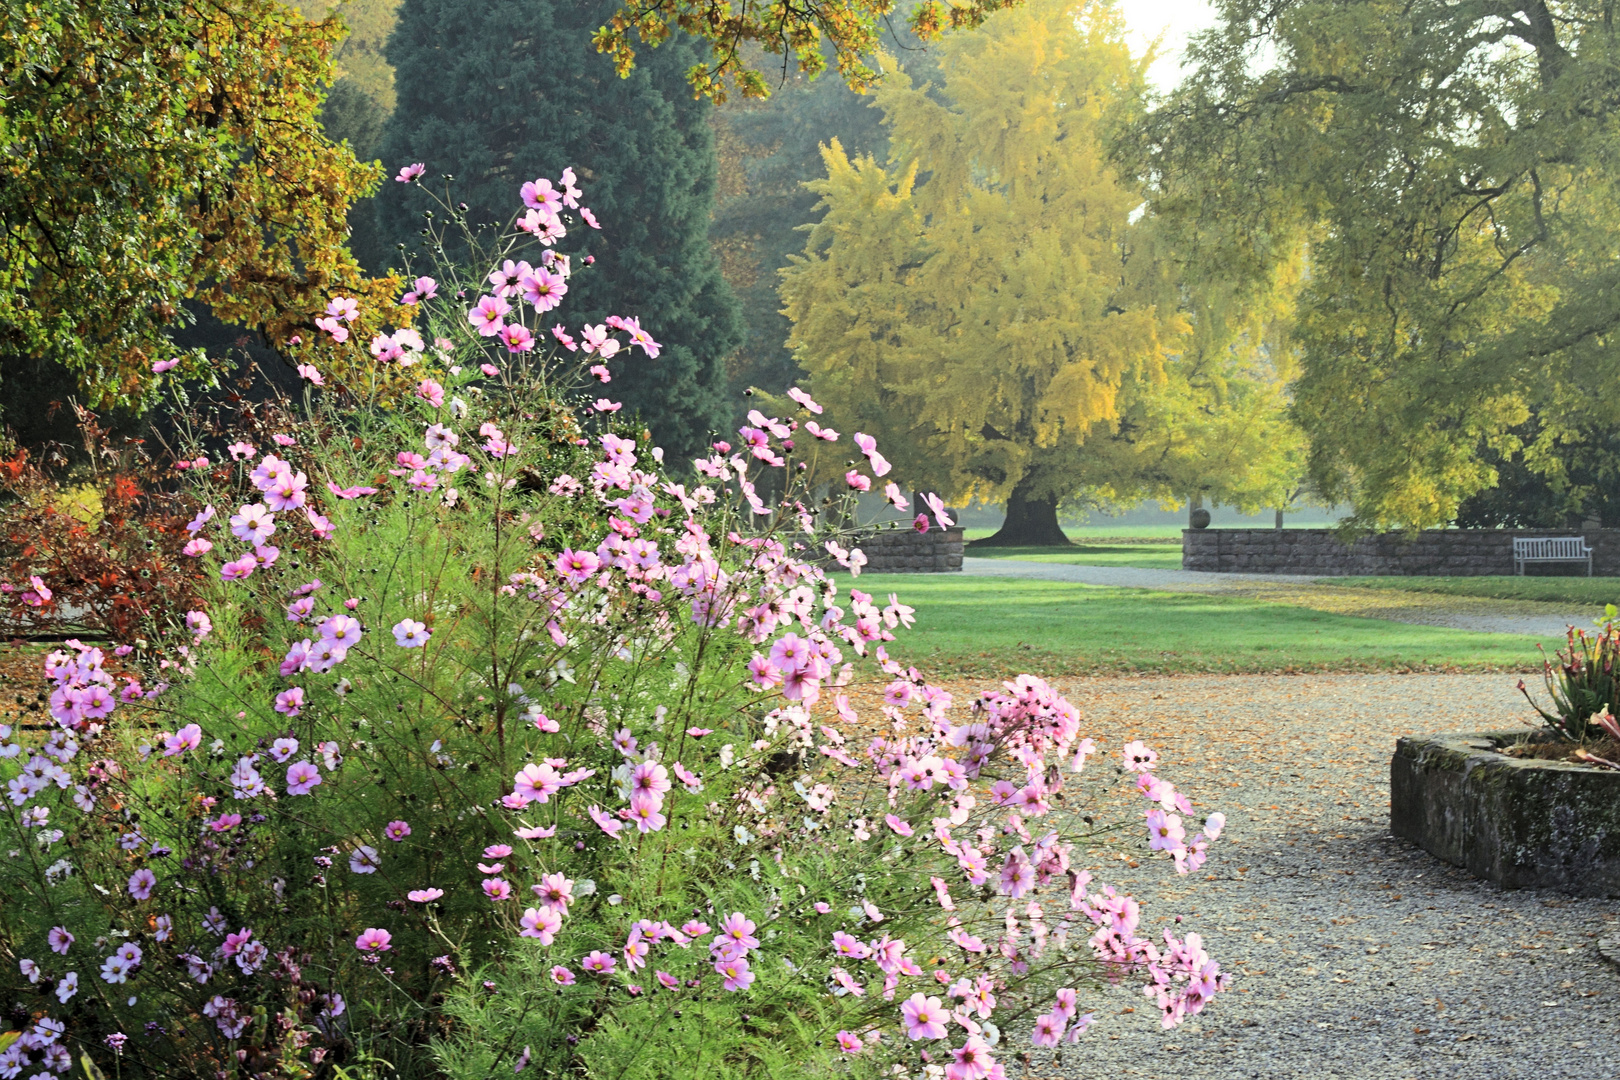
[(1441, 552), (1523, 823)]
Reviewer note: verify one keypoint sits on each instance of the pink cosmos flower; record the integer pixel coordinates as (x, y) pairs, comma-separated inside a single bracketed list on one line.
[(537, 783), (423, 288), (384, 348), (431, 392), (920, 523), (290, 702), (504, 279), (310, 373), (590, 218), (487, 314), (410, 634), (197, 547), (1165, 832), (555, 891), (666, 980), (1049, 1029), (924, 1018), (804, 399), (187, 738), (374, 940), (1213, 825), (604, 822), (283, 750), (739, 928), (424, 896), (898, 824), (603, 405), (319, 524), (497, 889), (341, 630), (410, 173), (346, 308), (543, 290), (868, 446), (542, 923), (577, 566), (857, 481), (60, 939), (599, 962), (253, 523), (937, 505), (635, 951), (287, 491), (972, 1061), (141, 884), (736, 973), (363, 860), (397, 830), (339, 332), (199, 624), (601, 372), (645, 814), (517, 338), (850, 1043), (540, 195), (302, 778), (160, 366), (1138, 758), (562, 976)]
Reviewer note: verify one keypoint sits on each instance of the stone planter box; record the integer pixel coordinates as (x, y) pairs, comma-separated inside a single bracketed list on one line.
[(1522, 823)]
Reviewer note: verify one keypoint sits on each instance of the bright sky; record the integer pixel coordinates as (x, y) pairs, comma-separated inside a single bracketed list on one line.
[(1176, 19)]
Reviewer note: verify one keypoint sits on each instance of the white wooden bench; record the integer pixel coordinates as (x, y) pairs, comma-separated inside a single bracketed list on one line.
[(1529, 549)]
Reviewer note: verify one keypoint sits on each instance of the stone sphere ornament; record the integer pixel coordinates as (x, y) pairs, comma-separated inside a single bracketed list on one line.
[(1200, 518)]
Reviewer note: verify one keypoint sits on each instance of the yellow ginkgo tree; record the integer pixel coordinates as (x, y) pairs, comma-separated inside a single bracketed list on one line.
[(994, 306)]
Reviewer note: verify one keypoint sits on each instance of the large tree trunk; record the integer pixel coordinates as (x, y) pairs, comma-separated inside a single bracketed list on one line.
[(1030, 523)]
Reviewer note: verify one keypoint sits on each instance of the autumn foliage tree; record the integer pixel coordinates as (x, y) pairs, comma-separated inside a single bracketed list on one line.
[(1448, 167), (1011, 328), (162, 152)]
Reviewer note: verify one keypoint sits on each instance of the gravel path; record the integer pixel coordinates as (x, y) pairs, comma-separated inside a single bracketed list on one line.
[(1429, 609), (1355, 954)]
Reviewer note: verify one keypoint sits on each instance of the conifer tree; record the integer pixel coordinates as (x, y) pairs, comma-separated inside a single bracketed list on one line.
[(500, 92)]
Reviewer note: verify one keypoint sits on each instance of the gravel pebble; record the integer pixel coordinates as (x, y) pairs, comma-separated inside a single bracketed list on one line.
[(1355, 954)]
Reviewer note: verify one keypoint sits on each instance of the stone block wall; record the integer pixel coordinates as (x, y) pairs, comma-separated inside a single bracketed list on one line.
[(1445, 552), (907, 551)]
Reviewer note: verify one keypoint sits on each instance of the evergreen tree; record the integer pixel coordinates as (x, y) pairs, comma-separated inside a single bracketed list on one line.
[(499, 92)]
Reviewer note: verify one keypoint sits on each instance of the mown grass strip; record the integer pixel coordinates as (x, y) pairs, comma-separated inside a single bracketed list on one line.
[(978, 627)]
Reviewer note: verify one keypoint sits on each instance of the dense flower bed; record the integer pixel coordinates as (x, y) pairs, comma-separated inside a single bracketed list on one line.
[(497, 742)]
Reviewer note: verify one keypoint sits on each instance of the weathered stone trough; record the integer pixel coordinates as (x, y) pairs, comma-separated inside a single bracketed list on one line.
[(1523, 823)]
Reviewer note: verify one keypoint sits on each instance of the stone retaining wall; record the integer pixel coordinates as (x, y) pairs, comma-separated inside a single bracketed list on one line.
[(1522, 823), (907, 551), (1446, 552)]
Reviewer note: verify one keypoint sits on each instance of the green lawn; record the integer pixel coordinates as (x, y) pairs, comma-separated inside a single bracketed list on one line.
[(1592, 592), (993, 627), (1138, 533), (1097, 553)]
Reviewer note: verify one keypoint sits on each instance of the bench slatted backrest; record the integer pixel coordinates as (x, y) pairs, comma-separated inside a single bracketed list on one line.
[(1549, 547)]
